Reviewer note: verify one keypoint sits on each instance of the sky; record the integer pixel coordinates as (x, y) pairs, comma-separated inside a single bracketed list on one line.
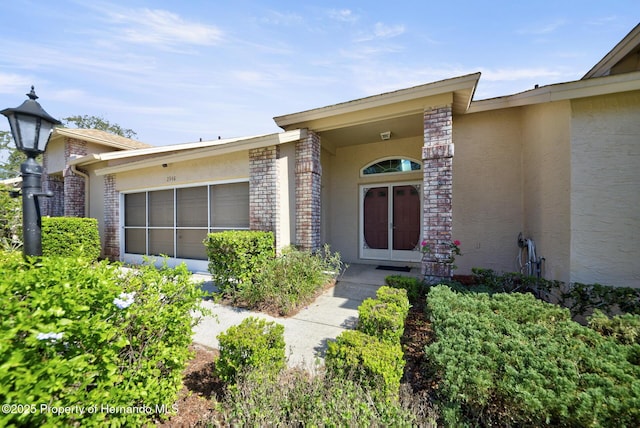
[(180, 71)]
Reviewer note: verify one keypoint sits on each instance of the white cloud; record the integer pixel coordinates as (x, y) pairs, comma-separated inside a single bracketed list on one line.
[(543, 28), (162, 28), (343, 15), (280, 18), (10, 83), (383, 31)]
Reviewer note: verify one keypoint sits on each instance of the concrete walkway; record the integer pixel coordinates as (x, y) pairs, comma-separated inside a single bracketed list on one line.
[(306, 333)]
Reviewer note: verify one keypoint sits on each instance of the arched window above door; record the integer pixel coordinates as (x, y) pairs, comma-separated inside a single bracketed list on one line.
[(391, 166)]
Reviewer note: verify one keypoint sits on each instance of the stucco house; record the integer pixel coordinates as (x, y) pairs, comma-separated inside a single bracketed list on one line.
[(375, 177)]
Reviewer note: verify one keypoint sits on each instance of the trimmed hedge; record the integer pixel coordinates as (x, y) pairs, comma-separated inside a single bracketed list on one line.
[(413, 285), (375, 364), (255, 344), (70, 237), (384, 317), (236, 257), (509, 359), (80, 333)]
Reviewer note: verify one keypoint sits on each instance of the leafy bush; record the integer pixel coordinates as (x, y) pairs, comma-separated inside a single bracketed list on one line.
[(290, 281), (253, 344), (236, 257), (10, 220), (384, 317), (624, 329), (397, 296), (510, 359), (413, 285), (296, 399), (70, 237), (75, 333), (582, 299), (376, 365)]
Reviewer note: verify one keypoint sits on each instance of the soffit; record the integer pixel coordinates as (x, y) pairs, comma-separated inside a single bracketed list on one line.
[(626, 46), (400, 112), (100, 137)]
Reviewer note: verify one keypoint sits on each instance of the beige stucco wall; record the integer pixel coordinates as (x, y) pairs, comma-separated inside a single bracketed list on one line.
[(286, 189), (343, 168), (487, 189), (605, 198), (546, 184), (233, 166)]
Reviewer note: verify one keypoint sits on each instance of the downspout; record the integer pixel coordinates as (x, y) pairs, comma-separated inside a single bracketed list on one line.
[(86, 188)]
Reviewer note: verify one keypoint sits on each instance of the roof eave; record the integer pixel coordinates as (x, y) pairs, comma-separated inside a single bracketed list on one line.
[(619, 51), (460, 85), (215, 150), (562, 91)]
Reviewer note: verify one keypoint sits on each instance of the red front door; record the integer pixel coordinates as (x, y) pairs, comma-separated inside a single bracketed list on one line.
[(391, 222)]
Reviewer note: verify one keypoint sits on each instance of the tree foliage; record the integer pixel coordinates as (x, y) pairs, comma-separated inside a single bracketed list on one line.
[(100, 123), (9, 167)]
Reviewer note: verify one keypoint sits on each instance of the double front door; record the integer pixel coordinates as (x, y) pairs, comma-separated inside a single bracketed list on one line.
[(390, 222)]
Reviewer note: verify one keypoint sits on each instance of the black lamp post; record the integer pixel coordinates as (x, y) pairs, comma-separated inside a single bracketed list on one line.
[(31, 127)]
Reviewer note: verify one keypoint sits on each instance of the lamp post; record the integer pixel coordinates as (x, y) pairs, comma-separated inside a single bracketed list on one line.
[(31, 128)]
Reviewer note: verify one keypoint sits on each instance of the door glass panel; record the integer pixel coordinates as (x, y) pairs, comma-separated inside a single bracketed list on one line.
[(230, 205), (376, 218), (161, 242), (191, 207), (406, 217), (135, 209), (135, 241), (161, 208), (189, 244)]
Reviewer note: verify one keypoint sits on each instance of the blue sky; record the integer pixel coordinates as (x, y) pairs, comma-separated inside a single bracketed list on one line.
[(177, 71)]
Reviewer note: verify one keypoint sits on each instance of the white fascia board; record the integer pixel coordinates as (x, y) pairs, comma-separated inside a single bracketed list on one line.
[(195, 152)]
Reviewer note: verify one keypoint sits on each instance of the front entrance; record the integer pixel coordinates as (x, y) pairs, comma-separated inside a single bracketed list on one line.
[(390, 222)]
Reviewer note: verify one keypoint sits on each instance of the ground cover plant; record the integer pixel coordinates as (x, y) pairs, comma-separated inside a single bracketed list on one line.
[(76, 333), (509, 359)]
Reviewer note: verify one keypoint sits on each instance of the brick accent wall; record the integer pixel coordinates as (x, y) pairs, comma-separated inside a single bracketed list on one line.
[(263, 206), (437, 157), (111, 228), (53, 206), (74, 189), (308, 171)]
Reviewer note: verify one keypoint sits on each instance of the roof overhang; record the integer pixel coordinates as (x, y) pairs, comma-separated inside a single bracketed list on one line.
[(562, 91), (99, 137), (457, 92), (621, 50), (187, 152)]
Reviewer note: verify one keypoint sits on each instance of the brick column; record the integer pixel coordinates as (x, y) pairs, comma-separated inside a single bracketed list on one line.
[(53, 206), (111, 230), (263, 206), (437, 157), (308, 172), (74, 197)]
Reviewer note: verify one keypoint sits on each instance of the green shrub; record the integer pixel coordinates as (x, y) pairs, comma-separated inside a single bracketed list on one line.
[(296, 399), (236, 257), (76, 333), (625, 329), (291, 280), (510, 359), (254, 344), (376, 365), (582, 299), (10, 220), (384, 318), (413, 285), (70, 237), (397, 296)]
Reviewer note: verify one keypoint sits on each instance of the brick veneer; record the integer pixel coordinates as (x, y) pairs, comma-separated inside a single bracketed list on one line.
[(111, 230), (308, 172), (74, 197), (53, 206), (437, 157), (263, 181)]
